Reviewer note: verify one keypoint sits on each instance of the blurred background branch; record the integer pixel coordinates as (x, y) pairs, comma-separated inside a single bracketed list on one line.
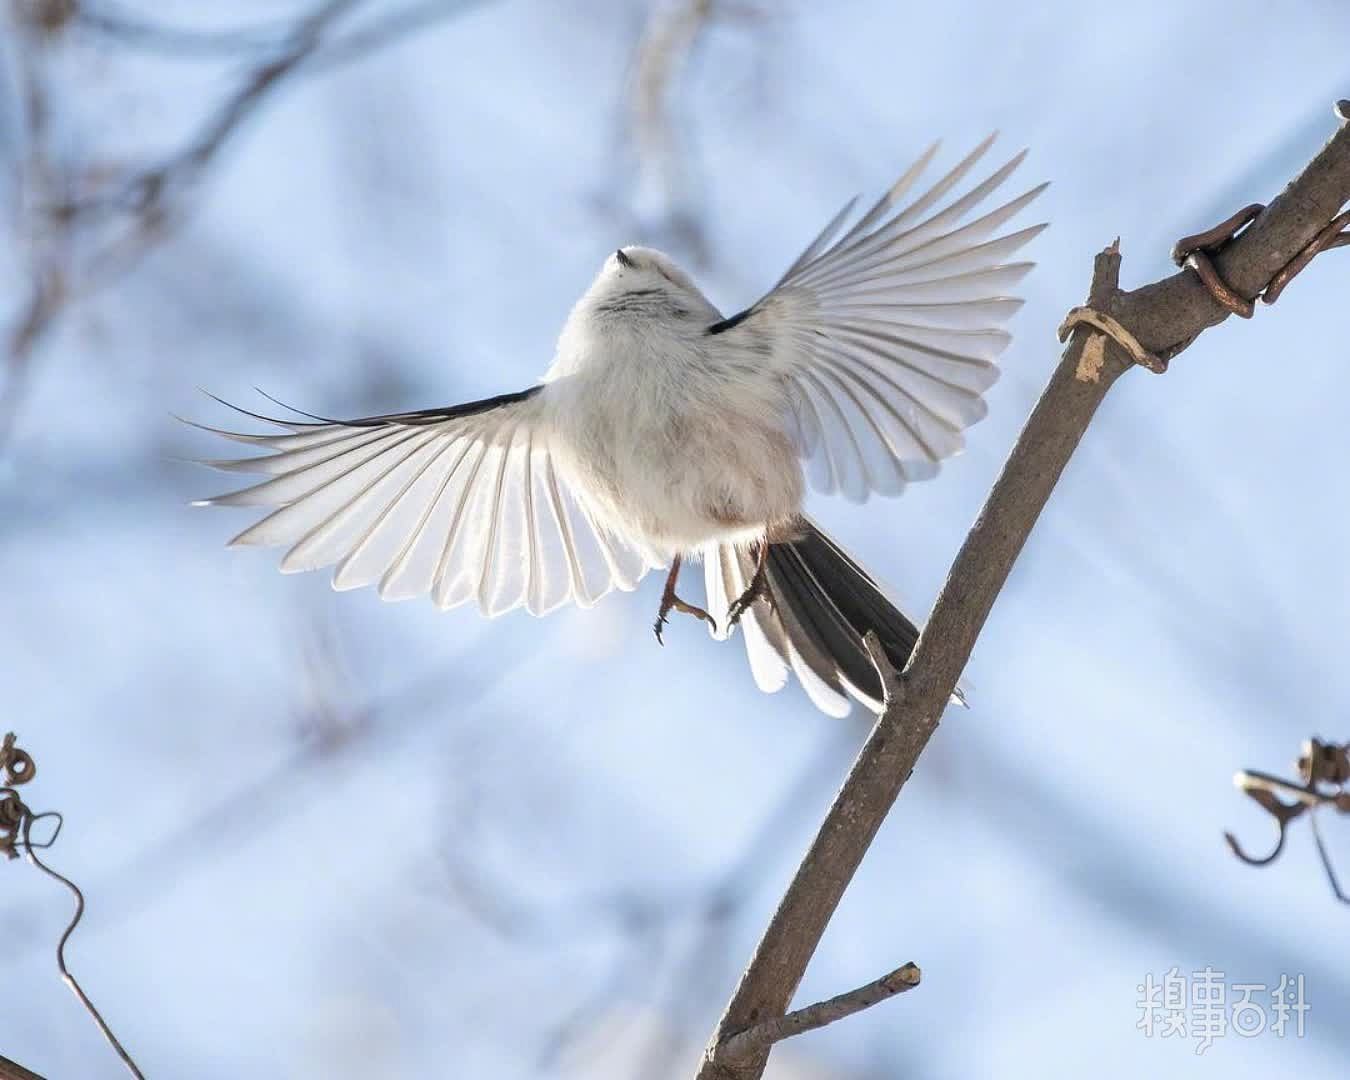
[(88, 224)]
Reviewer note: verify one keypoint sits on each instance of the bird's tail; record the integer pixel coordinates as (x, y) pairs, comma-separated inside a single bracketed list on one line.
[(818, 606)]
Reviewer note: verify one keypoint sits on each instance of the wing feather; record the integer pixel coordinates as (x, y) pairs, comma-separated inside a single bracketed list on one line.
[(462, 503), (305, 471), (493, 557), (378, 548), (413, 571), (888, 337), (330, 540)]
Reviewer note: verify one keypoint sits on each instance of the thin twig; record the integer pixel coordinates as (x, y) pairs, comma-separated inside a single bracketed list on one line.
[(66, 975), (893, 690), (265, 799), (1324, 771), (16, 820), (760, 1037), (1326, 860)]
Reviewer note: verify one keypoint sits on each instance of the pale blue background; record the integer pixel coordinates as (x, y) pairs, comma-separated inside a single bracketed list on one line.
[(326, 837)]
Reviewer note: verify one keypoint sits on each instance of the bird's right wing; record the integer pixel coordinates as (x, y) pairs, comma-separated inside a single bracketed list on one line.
[(463, 503), (886, 335)]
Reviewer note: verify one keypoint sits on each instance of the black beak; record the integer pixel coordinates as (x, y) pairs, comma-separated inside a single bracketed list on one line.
[(624, 260)]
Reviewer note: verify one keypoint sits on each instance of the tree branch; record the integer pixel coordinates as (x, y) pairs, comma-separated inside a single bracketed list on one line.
[(762, 1036), (1164, 318), (12, 1070)]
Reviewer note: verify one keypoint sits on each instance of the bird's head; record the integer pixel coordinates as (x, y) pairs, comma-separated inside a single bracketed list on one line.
[(642, 283)]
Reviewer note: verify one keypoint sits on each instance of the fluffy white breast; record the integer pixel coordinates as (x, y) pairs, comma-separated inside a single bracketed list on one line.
[(677, 442)]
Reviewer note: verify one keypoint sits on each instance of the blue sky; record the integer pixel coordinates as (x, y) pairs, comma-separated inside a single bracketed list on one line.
[(498, 860)]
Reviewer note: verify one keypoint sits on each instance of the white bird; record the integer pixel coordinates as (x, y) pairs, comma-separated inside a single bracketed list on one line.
[(663, 432)]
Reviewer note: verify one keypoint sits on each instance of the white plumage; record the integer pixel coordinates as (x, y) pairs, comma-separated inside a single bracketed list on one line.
[(662, 430)]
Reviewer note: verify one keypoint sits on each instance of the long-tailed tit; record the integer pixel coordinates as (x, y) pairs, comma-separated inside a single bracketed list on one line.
[(664, 432)]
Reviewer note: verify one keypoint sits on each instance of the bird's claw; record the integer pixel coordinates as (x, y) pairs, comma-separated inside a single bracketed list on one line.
[(676, 604), (746, 600), (739, 607), (705, 617)]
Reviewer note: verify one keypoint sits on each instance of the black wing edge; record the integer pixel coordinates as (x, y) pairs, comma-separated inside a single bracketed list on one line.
[(420, 417), (728, 324), (449, 412)]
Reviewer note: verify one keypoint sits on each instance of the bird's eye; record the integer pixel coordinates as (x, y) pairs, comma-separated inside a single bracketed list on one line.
[(624, 260)]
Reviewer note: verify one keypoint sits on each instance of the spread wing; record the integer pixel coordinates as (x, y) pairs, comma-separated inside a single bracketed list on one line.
[(887, 334), (463, 503)]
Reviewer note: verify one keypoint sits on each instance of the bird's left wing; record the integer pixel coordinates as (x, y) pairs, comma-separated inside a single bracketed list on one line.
[(463, 503), (887, 334)]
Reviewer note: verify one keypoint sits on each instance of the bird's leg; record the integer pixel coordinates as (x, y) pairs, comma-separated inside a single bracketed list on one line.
[(756, 590), (670, 601)]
